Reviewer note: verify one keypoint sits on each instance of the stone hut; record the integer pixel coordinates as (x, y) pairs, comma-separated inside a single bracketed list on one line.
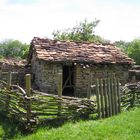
[(16, 66), (79, 62), (134, 73)]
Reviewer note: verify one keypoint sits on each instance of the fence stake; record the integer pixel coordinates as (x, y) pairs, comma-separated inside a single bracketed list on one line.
[(115, 96), (9, 79), (89, 87), (133, 79), (106, 98), (59, 91), (118, 95), (98, 99), (28, 93), (0, 74), (89, 91), (112, 96), (102, 98), (132, 99), (109, 96)]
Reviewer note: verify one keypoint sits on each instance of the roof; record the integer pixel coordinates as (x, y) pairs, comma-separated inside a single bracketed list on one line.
[(13, 62), (66, 51)]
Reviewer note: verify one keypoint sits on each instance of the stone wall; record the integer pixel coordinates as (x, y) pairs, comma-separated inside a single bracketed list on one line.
[(45, 75), (17, 67), (85, 75), (134, 73)]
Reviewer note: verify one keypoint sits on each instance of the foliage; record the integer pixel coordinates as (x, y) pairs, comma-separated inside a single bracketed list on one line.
[(8, 129), (124, 126), (13, 48), (84, 31), (122, 45), (134, 50)]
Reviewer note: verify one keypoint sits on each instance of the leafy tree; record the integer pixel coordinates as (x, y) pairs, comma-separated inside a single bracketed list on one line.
[(84, 31), (13, 48), (122, 45), (134, 50)]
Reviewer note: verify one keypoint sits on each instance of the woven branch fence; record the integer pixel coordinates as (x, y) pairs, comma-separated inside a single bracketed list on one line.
[(130, 95), (31, 108)]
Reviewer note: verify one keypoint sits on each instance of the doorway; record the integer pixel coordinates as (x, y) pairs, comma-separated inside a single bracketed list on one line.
[(68, 80)]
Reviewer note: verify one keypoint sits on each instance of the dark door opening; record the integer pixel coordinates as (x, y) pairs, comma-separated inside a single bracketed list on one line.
[(68, 80)]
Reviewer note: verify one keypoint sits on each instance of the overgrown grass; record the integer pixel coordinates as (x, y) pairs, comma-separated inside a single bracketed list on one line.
[(8, 130), (125, 126)]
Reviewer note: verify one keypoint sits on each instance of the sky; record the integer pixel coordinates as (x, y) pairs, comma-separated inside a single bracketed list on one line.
[(24, 19)]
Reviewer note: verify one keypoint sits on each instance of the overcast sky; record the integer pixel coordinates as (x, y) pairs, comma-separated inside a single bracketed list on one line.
[(24, 19)]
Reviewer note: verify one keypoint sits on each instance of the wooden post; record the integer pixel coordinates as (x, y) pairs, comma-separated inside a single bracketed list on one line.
[(59, 91), (112, 96), (106, 98), (28, 84), (98, 99), (133, 79), (102, 98), (89, 87), (109, 96), (118, 96), (115, 96), (0, 74), (132, 102), (28, 93), (9, 79), (89, 91)]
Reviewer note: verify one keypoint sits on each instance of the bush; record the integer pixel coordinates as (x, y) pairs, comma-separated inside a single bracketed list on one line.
[(13, 48)]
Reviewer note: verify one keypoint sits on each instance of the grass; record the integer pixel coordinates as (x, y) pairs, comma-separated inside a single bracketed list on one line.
[(8, 130), (125, 126)]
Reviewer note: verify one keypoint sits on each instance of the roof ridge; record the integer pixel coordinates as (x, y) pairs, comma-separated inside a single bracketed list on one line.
[(83, 42)]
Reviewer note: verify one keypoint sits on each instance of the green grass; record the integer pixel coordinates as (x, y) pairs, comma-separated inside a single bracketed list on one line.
[(125, 126), (8, 130)]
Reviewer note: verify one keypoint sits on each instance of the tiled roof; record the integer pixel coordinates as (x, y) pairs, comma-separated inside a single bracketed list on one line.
[(60, 51), (13, 62)]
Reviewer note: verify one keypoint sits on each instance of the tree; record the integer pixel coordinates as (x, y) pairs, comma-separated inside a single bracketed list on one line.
[(13, 48), (84, 31), (122, 45), (134, 50)]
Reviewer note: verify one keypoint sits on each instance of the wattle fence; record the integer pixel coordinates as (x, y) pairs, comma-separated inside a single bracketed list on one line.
[(130, 95), (31, 108)]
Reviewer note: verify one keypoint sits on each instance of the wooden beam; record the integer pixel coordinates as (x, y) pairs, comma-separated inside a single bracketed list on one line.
[(59, 92), (28, 93), (70, 74)]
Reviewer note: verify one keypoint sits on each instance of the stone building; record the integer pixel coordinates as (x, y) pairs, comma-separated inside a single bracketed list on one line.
[(17, 67), (81, 63), (134, 73)]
